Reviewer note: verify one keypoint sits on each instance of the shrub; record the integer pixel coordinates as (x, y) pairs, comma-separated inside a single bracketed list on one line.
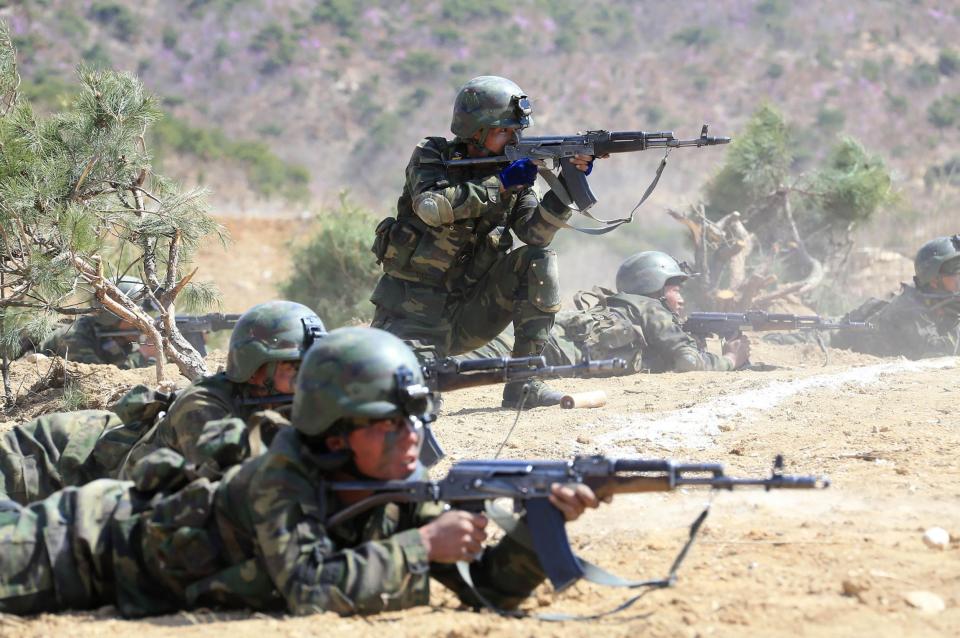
[(831, 119), (121, 20), (169, 38), (949, 62), (418, 64), (944, 112), (853, 184), (696, 37), (343, 14), (923, 75), (278, 45), (774, 71), (335, 272)]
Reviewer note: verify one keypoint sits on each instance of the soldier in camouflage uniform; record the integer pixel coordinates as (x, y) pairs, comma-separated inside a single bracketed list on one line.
[(921, 320), (452, 278), (80, 340), (211, 422), (640, 323), (257, 538), (263, 357)]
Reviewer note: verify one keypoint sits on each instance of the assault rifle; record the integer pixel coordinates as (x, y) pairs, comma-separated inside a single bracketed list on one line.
[(728, 325), (192, 327), (449, 374), (560, 149), (469, 485)]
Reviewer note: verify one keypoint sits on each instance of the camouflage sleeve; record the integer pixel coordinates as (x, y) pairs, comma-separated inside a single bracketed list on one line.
[(187, 417), (905, 329), (671, 344), (310, 571), (465, 200), (535, 221), (73, 343)]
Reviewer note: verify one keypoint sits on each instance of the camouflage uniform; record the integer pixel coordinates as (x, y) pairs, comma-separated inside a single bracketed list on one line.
[(907, 326), (640, 330), (79, 342), (255, 539), (456, 285)]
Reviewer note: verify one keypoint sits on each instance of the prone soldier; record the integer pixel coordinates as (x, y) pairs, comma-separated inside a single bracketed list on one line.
[(258, 537)]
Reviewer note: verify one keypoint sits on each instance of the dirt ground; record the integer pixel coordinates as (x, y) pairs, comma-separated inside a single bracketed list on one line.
[(837, 562)]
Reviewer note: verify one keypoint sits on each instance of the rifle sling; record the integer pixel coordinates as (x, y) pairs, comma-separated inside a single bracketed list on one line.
[(608, 224), (591, 573)]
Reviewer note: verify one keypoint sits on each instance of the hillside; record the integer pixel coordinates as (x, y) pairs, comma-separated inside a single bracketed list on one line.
[(342, 90)]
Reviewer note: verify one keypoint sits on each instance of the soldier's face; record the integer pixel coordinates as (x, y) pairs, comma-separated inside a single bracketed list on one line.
[(948, 283), (387, 449), (285, 377), (673, 298), (498, 138)]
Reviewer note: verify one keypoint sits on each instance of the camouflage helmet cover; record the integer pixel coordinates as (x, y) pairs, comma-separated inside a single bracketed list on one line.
[(270, 331), (363, 373), (932, 256), (646, 273), (489, 101)]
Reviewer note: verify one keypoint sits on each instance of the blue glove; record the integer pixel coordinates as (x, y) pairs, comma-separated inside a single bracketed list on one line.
[(522, 172), (589, 168)]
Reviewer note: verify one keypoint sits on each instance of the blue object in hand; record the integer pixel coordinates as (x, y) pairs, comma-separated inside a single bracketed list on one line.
[(589, 168), (522, 172)]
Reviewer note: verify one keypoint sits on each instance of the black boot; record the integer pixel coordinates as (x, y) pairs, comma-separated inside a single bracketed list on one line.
[(539, 394)]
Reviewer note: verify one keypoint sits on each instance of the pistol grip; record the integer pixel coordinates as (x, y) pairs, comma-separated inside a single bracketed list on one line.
[(576, 183)]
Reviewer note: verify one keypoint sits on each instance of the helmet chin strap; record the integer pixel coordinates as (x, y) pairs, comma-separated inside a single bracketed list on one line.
[(271, 371)]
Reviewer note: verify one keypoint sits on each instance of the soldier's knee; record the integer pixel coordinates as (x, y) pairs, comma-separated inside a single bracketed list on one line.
[(543, 279)]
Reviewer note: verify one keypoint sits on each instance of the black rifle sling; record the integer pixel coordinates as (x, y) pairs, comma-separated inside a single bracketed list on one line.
[(609, 224), (590, 572)]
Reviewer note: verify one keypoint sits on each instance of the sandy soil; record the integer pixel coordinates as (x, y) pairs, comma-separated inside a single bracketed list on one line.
[(837, 562)]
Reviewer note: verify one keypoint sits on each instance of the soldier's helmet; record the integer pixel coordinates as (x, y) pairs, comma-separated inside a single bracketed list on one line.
[(489, 101), (270, 331), (359, 373), (132, 288), (933, 256), (646, 273)]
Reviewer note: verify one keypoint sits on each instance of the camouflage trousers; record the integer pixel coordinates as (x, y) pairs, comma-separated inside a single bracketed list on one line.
[(53, 451), (521, 287)]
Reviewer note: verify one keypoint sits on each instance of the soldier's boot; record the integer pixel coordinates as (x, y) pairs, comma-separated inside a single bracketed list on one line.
[(539, 394)]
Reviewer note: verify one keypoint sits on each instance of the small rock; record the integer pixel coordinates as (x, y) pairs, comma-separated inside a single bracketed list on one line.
[(855, 586), (936, 538), (583, 440), (925, 601), (37, 358)]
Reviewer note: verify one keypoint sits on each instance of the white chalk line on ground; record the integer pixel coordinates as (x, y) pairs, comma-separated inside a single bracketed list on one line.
[(696, 427)]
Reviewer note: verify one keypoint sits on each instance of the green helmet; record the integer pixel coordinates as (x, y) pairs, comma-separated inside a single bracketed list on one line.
[(648, 272), (487, 102), (932, 256), (131, 287), (271, 331), (361, 373)]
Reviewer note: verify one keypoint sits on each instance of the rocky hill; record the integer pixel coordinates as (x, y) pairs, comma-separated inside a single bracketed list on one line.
[(341, 90)]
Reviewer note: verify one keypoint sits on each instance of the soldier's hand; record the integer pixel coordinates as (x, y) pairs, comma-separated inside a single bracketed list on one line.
[(454, 536), (585, 162), (573, 500), (737, 350)]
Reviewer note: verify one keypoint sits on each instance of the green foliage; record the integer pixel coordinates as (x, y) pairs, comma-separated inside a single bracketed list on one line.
[(852, 184), (949, 62), (343, 14), (169, 37), (944, 112), (774, 71), (773, 8), (75, 187), (462, 11), (121, 20), (72, 25), (446, 34), (97, 57), (278, 46), (830, 119), (267, 174), (699, 37), (946, 173), (897, 103), (871, 70), (335, 272), (418, 64), (923, 75), (74, 397), (757, 164)]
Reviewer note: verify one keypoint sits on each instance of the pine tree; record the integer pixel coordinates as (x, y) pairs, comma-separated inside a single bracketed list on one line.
[(80, 206)]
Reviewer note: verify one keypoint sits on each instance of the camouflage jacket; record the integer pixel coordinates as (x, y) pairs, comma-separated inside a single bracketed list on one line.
[(78, 342), (452, 223), (907, 326), (641, 330), (255, 539), (210, 398)]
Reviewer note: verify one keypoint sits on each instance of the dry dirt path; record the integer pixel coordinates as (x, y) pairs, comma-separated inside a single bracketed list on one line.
[(838, 562)]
